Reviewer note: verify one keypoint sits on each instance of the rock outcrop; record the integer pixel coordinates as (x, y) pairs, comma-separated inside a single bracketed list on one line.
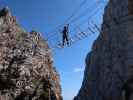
[(109, 66), (26, 67)]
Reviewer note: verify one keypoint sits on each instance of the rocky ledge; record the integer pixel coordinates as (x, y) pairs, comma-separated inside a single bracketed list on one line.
[(26, 65)]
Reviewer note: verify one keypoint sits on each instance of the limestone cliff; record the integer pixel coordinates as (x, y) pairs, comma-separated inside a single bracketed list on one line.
[(109, 66), (26, 69)]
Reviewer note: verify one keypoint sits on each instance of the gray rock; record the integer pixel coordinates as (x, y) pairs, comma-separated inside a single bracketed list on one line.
[(24, 76), (109, 66)]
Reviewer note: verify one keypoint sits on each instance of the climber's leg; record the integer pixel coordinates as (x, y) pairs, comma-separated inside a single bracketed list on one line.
[(63, 40), (67, 40)]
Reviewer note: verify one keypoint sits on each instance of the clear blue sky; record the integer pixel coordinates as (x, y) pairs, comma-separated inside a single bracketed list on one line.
[(44, 16)]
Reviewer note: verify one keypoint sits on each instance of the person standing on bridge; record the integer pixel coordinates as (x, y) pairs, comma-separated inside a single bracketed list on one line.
[(65, 35)]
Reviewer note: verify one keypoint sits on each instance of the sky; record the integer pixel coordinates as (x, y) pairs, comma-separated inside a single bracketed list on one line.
[(49, 17)]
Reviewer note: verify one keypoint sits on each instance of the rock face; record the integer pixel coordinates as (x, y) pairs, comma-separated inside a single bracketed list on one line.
[(109, 66), (26, 67)]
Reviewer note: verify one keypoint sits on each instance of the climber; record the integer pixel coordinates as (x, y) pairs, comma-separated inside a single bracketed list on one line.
[(35, 38), (65, 35)]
